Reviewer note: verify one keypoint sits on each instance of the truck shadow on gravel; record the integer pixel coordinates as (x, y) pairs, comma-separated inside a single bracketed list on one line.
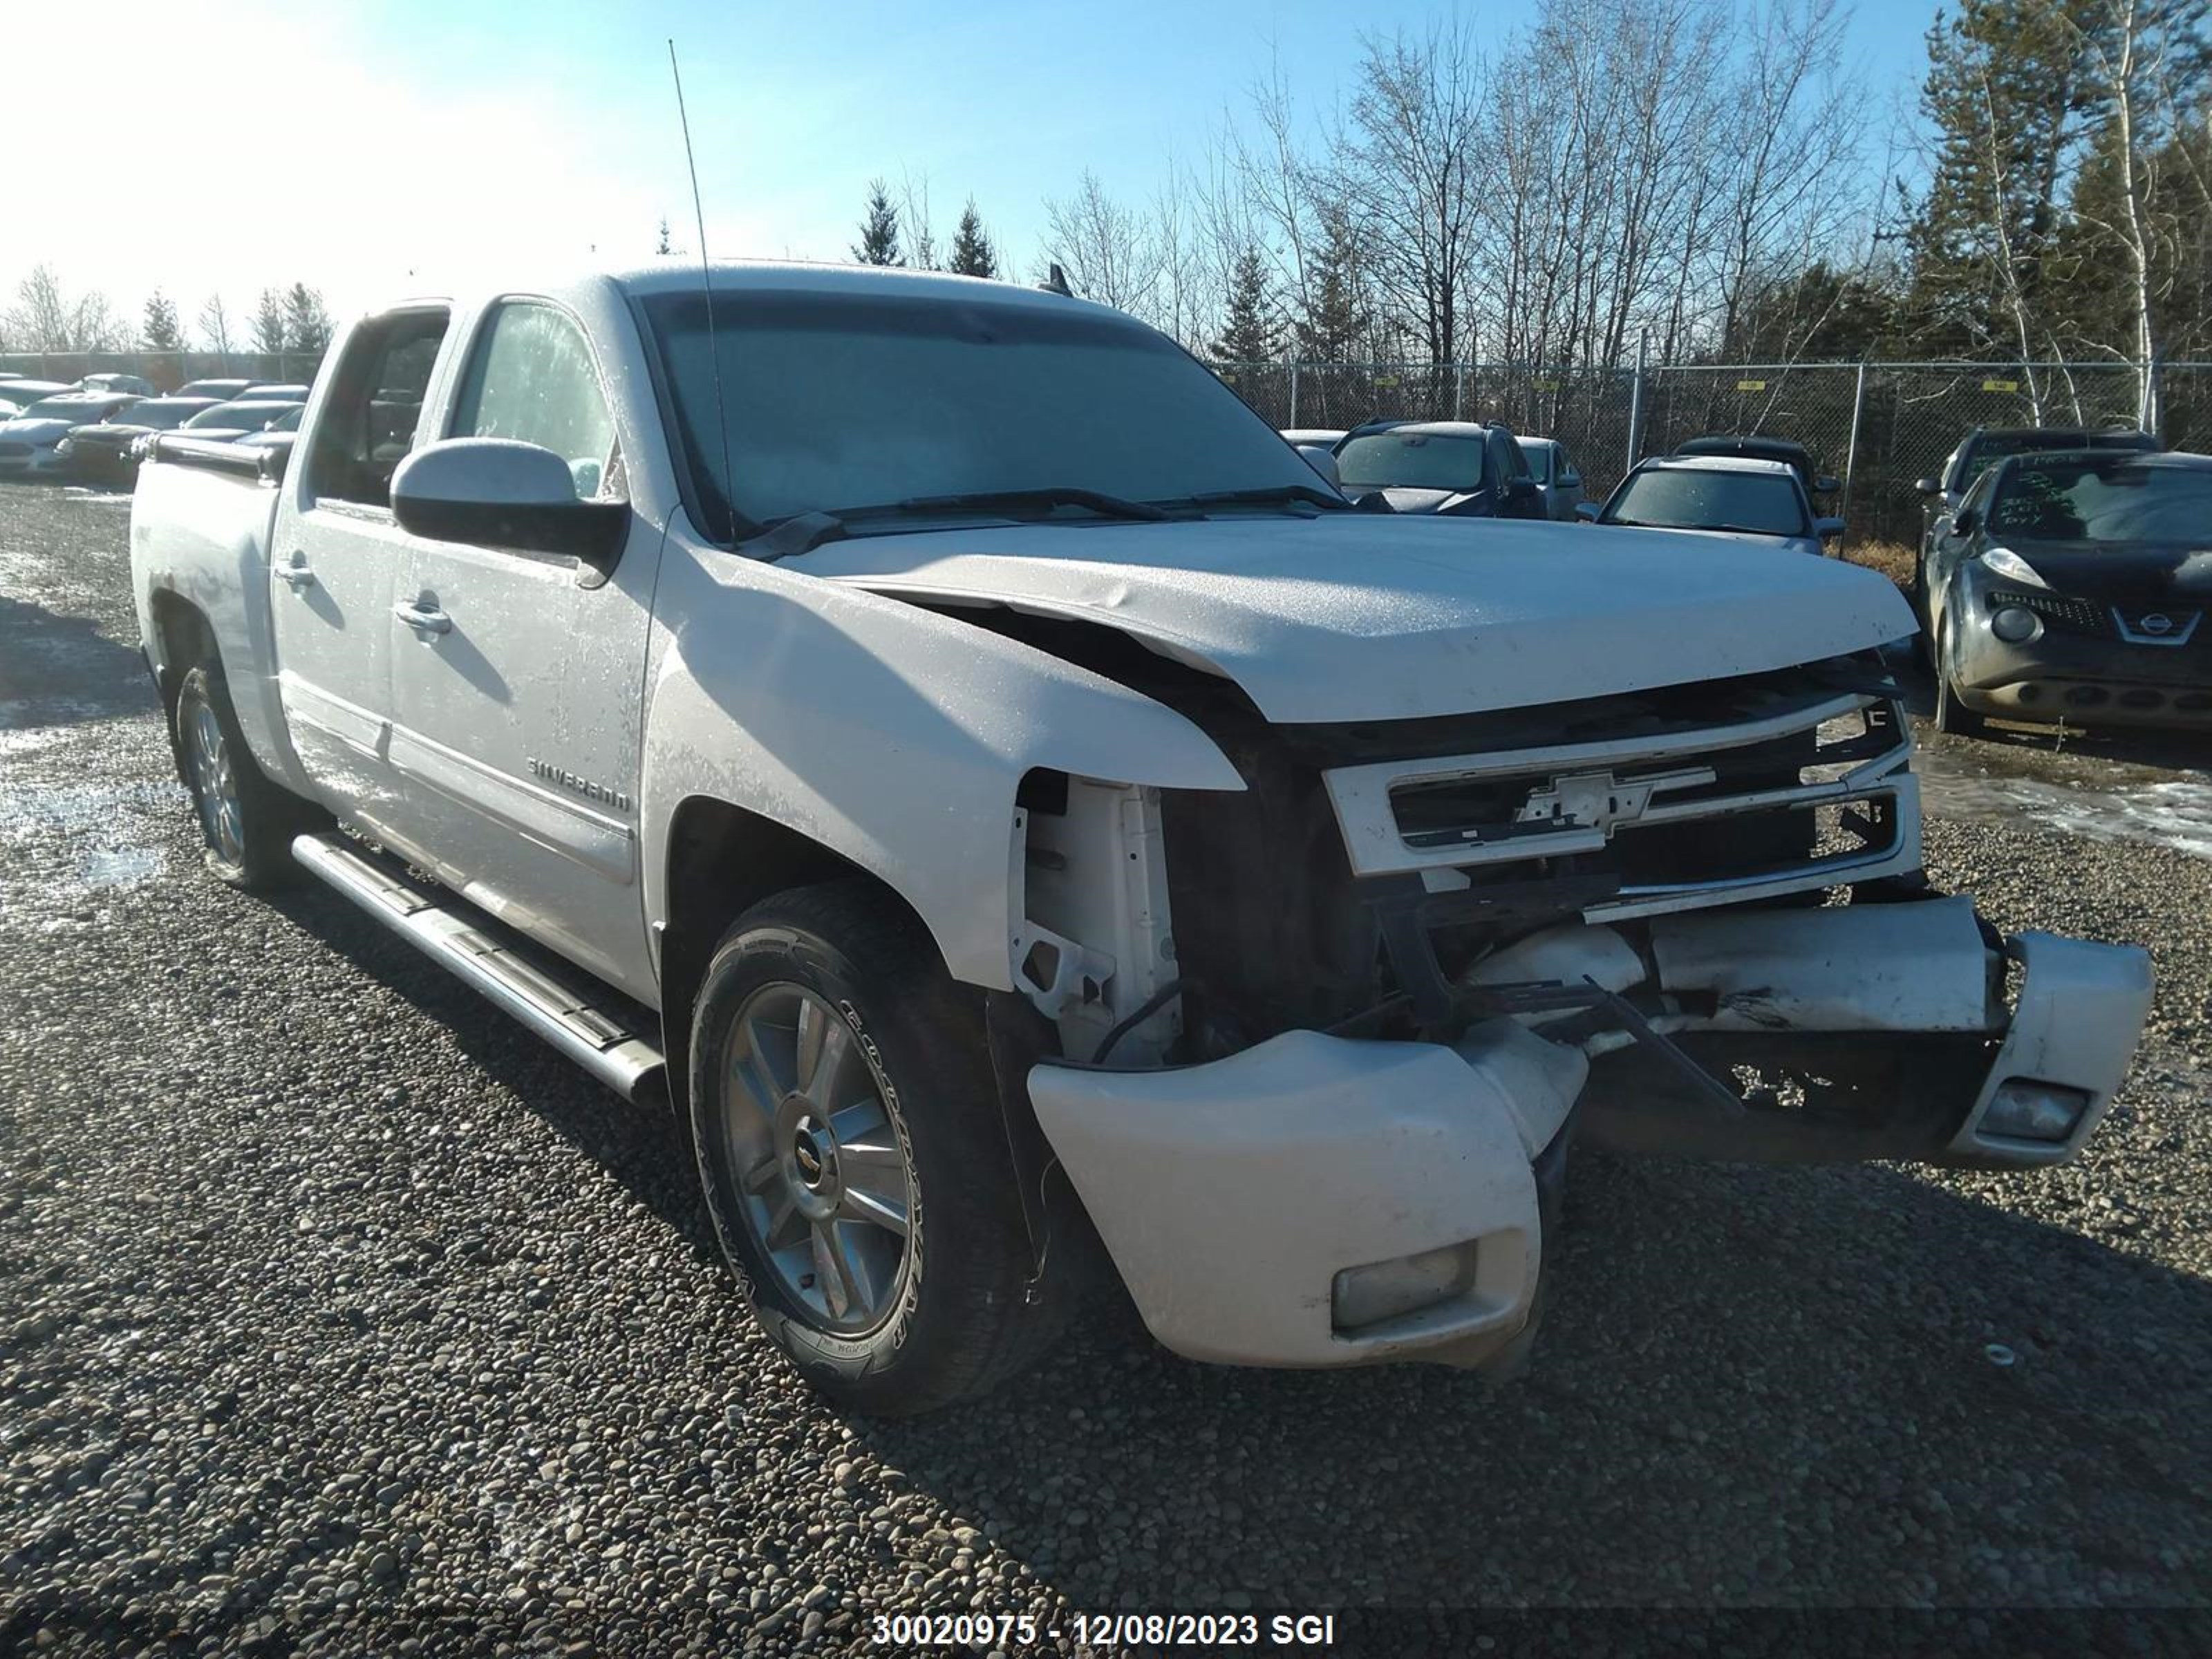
[(1755, 1385), (56, 670)]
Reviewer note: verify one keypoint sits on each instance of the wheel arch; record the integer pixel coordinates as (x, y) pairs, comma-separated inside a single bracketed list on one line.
[(183, 637), (723, 859)]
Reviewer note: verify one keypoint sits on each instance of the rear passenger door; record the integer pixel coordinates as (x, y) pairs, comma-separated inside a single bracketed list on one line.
[(337, 555), (519, 676)]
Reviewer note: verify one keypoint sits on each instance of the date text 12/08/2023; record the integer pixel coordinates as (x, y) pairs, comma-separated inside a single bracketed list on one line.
[(1308, 1630)]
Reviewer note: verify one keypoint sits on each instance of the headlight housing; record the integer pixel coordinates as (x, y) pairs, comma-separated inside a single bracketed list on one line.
[(2009, 565)]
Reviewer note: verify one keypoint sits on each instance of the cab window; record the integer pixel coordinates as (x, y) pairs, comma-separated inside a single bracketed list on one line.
[(370, 419), (532, 380)]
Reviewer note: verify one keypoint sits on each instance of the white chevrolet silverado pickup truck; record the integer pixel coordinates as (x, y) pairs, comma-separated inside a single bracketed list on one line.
[(1031, 827)]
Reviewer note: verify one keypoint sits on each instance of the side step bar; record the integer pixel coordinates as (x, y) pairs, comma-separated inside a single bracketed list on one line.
[(446, 931)]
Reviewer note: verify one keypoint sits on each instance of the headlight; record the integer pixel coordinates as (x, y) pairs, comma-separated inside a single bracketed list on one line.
[(2009, 565), (2014, 625)]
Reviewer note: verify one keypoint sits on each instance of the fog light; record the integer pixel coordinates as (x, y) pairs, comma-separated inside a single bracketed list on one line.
[(1386, 1289), (2014, 625), (2024, 1110)]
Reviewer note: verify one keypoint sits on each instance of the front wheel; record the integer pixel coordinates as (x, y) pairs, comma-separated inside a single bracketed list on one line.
[(1952, 716), (853, 1155)]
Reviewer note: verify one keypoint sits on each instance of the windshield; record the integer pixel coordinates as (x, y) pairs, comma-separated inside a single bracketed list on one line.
[(1539, 457), (1683, 498), (1411, 460), (250, 416), (839, 401), (163, 412), (1991, 447), (2103, 499), (64, 409)]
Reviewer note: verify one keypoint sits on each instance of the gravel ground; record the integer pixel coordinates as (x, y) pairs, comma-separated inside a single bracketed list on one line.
[(337, 1314)]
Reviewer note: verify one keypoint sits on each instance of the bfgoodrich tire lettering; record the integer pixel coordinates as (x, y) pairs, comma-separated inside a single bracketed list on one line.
[(952, 1317)]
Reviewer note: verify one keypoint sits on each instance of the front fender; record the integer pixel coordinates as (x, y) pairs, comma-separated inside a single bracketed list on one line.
[(895, 736)]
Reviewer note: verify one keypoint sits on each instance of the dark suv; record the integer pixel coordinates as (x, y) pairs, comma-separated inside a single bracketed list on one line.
[(1467, 469)]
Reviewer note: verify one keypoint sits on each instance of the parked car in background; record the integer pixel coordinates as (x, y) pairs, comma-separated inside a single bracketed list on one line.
[(1762, 500), (219, 389), (1463, 469), (30, 443), (1313, 437), (278, 431), (107, 452), (272, 393), (1557, 473), (2073, 585), (1984, 446), (138, 386), (18, 395), (1760, 448), (238, 419)]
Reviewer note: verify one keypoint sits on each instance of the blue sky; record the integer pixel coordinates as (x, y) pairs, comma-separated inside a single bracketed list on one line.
[(435, 137)]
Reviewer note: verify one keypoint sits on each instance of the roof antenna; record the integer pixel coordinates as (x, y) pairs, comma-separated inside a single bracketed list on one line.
[(1055, 282), (706, 282)]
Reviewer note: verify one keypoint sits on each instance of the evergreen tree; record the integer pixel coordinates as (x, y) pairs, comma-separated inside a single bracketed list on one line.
[(162, 330), (972, 252), (1335, 316), (306, 324), (879, 233), (2012, 98), (1253, 333), (269, 321)]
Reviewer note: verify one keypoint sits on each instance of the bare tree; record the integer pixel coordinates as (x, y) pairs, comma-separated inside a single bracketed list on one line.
[(1109, 250), (43, 318), (915, 219), (1408, 165), (215, 327)]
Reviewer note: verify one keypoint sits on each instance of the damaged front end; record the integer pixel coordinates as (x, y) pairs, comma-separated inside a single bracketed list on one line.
[(1322, 1121)]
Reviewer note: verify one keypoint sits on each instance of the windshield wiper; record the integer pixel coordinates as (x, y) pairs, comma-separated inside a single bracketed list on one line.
[(1310, 494), (1051, 496), (802, 532)]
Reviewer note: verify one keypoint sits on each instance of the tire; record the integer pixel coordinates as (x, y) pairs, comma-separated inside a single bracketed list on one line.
[(1952, 716), (899, 1116), (248, 824)]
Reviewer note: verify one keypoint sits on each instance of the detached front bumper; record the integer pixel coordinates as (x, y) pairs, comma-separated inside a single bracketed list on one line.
[(1316, 1201)]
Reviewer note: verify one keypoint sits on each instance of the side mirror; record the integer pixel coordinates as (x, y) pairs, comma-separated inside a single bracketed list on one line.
[(1930, 486), (1323, 462), (1827, 484), (1962, 521), (1520, 489), (494, 492), (1587, 512), (1571, 481), (1826, 528)]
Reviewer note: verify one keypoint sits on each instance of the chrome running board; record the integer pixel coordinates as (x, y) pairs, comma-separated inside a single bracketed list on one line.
[(459, 939)]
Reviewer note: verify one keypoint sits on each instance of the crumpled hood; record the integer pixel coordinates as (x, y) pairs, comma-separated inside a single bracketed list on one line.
[(1363, 616)]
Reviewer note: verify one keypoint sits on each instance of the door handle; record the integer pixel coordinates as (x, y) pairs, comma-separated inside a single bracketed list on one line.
[(296, 574), (424, 619)]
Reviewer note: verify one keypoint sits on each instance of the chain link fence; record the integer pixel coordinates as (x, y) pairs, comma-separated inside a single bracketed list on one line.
[(165, 370), (1878, 426)]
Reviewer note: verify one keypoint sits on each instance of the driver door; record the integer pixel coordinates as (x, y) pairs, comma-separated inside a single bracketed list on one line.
[(519, 677)]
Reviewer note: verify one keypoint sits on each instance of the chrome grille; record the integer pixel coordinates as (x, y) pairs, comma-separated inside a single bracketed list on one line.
[(1816, 795)]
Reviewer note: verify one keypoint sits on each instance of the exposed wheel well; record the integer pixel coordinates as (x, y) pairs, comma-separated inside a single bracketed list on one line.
[(722, 860)]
